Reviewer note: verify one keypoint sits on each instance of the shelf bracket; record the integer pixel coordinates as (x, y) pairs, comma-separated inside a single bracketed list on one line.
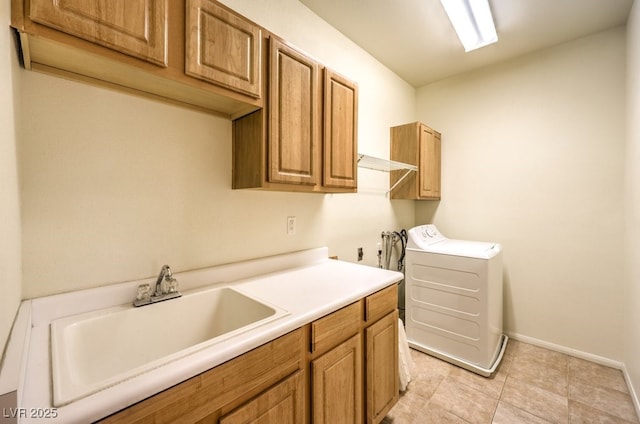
[(406, 174)]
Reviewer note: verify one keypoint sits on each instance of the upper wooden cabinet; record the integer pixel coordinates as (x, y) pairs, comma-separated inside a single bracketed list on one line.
[(134, 27), (222, 47), (340, 131), (196, 52), (306, 137), (416, 144), (294, 121), (300, 136)]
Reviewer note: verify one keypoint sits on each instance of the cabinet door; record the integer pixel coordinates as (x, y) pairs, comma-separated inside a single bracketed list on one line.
[(416, 144), (293, 152), (222, 47), (382, 367), (340, 131), (429, 169), (134, 27), (282, 404), (336, 384)]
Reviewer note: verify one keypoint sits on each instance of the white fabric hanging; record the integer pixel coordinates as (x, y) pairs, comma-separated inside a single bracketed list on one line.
[(405, 363)]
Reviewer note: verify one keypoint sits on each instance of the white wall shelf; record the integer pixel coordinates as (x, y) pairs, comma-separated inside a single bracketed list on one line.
[(385, 165)]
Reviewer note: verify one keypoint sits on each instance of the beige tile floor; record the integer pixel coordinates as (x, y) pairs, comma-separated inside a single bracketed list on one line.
[(532, 385)]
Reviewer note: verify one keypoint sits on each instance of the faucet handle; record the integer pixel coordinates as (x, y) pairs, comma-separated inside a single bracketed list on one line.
[(168, 285), (143, 292), (172, 285)]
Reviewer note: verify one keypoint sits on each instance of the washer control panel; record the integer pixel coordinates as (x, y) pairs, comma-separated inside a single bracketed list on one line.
[(424, 235), (428, 231)]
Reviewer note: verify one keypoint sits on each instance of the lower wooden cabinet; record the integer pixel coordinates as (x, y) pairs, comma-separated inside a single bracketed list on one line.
[(341, 368), (219, 391), (356, 380), (283, 404), (336, 384), (382, 377)]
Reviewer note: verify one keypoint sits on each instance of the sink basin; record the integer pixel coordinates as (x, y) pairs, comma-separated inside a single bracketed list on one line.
[(95, 350)]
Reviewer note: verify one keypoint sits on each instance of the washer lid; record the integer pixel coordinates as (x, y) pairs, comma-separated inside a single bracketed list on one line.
[(469, 249), (427, 238)]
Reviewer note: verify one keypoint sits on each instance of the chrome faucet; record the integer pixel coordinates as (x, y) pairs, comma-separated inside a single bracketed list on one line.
[(165, 274), (166, 288)]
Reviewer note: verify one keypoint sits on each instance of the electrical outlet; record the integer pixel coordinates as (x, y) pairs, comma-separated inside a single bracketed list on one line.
[(291, 225), (360, 254)]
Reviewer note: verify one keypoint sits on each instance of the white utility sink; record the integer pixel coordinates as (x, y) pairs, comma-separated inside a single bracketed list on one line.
[(98, 349)]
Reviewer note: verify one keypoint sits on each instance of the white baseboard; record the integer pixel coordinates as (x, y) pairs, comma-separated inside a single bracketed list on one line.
[(584, 355), (567, 350), (632, 391)]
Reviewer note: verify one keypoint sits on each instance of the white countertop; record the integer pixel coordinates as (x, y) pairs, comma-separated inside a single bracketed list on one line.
[(307, 284)]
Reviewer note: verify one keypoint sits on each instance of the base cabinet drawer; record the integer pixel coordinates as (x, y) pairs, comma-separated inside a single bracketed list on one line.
[(282, 404), (336, 327), (380, 303)]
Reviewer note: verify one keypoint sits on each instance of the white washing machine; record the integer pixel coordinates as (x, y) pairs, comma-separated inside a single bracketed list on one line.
[(453, 298)]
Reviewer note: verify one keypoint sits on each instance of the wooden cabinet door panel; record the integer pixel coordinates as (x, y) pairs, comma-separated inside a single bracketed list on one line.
[(282, 404), (340, 131), (429, 174), (293, 116), (222, 48), (382, 367), (336, 384), (134, 27)]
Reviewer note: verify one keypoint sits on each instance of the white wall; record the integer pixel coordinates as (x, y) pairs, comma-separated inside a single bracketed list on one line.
[(10, 262), (114, 186), (533, 159), (632, 209)]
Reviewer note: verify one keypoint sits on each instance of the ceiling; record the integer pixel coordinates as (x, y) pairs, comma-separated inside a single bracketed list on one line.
[(415, 39)]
